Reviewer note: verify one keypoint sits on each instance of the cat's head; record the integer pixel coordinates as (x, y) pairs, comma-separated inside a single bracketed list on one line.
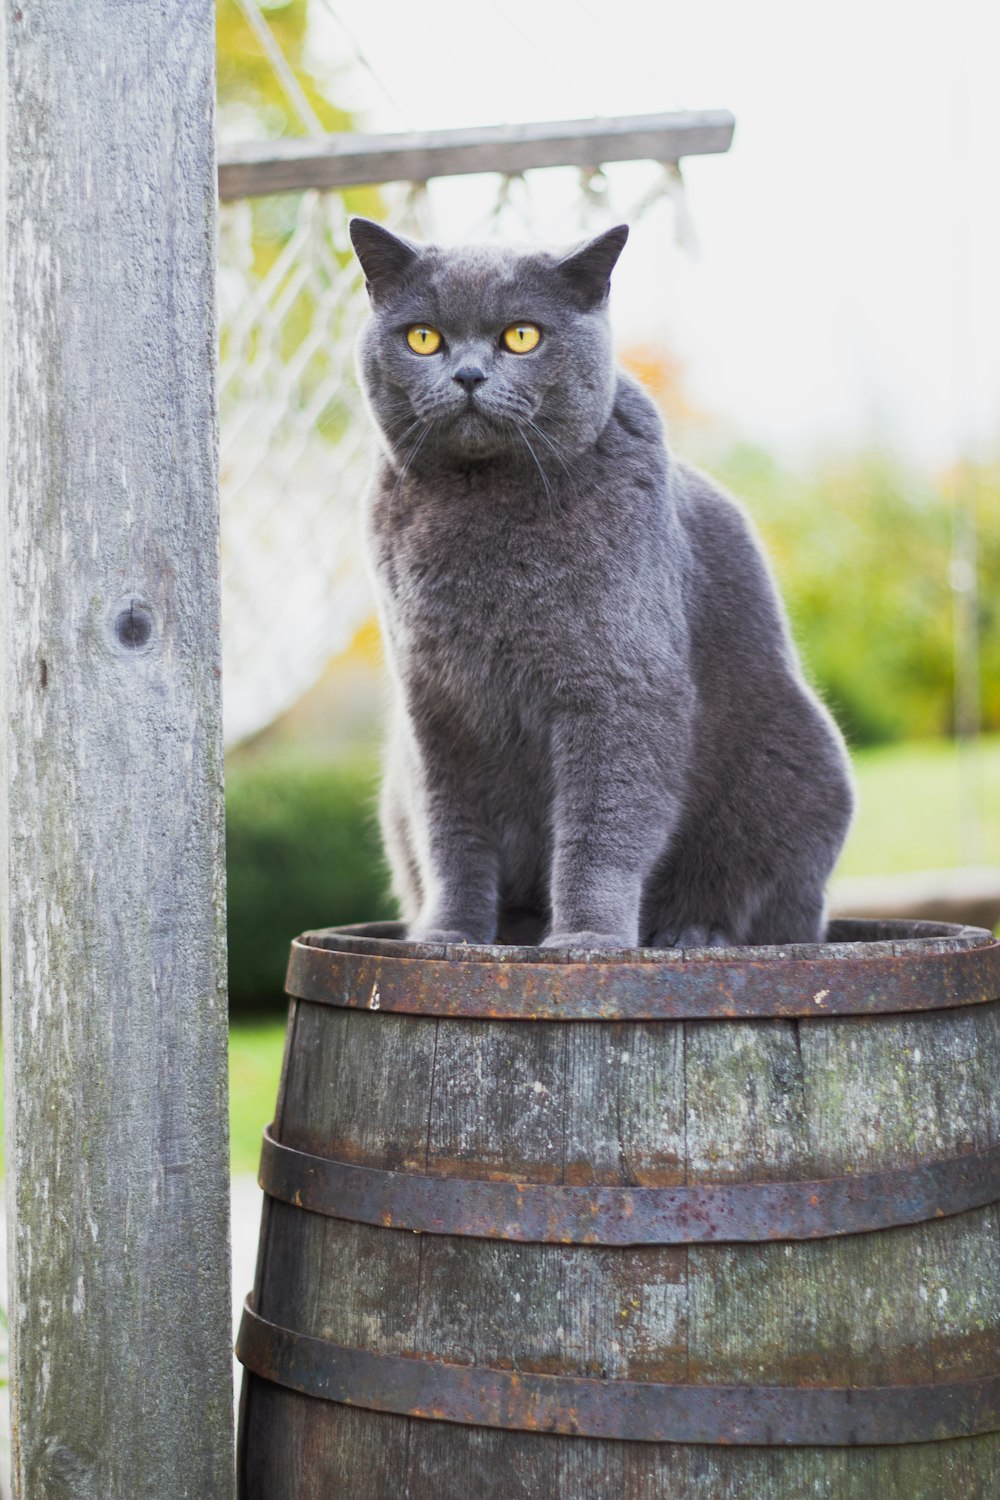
[(482, 351)]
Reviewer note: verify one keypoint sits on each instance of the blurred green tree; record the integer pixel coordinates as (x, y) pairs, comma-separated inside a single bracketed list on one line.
[(862, 548), (248, 86), (253, 102)]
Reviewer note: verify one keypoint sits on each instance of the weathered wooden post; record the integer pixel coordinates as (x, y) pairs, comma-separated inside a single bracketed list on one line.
[(112, 853)]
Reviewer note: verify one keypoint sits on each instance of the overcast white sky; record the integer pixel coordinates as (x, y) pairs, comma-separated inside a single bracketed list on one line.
[(848, 284)]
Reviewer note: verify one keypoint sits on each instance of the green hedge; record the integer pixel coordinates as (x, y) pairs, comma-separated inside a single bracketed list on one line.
[(303, 850)]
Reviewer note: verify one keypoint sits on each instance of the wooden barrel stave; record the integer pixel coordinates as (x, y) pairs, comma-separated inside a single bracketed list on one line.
[(310, 1449), (768, 1099), (531, 1467), (316, 1450), (651, 1104), (919, 1303)]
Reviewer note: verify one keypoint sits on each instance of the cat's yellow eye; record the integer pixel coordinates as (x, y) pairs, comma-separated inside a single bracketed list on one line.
[(423, 340), (521, 338)]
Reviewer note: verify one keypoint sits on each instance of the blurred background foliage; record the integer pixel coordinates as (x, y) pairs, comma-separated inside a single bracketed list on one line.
[(302, 842), (253, 104), (862, 549), (251, 101), (303, 851)]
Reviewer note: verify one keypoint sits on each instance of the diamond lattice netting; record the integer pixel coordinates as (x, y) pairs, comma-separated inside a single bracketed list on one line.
[(294, 451)]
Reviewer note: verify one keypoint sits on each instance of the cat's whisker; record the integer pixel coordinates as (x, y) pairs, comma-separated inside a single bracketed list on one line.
[(553, 448), (548, 488), (407, 463), (411, 456), (399, 439)]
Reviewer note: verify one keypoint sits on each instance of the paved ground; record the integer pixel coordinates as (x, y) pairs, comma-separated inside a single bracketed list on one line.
[(246, 1201)]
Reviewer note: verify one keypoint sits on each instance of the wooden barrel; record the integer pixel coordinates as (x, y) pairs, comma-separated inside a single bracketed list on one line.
[(551, 1226)]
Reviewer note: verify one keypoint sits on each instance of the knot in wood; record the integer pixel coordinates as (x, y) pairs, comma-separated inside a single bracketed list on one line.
[(133, 625)]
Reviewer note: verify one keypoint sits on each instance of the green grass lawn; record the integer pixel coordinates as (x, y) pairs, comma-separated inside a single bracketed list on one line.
[(911, 803), (910, 797), (255, 1052)]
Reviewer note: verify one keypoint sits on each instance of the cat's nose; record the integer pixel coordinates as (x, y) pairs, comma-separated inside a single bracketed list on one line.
[(468, 377)]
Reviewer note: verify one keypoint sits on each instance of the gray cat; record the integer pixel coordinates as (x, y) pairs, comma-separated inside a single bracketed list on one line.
[(600, 733)]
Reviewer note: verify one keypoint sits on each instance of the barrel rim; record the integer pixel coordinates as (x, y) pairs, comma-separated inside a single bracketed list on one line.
[(903, 967), (852, 938)]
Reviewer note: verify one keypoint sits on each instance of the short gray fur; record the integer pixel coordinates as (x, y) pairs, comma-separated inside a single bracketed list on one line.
[(112, 870), (600, 732)]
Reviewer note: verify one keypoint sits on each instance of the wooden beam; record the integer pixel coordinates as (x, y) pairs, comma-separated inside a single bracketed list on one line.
[(111, 852), (347, 160)]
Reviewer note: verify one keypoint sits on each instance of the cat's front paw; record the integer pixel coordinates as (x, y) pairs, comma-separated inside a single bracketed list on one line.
[(700, 935), (589, 940), (437, 935)]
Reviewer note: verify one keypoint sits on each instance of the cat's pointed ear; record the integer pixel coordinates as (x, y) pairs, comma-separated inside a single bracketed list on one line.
[(588, 270), (385, 258)]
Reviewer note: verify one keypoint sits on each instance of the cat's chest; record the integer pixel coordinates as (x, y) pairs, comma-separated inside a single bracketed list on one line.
[(496, 608), (491, 587)]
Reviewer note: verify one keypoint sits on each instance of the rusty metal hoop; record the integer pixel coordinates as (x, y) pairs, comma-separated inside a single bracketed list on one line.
[(708, 1213), (891, 968), (634, 1411)]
